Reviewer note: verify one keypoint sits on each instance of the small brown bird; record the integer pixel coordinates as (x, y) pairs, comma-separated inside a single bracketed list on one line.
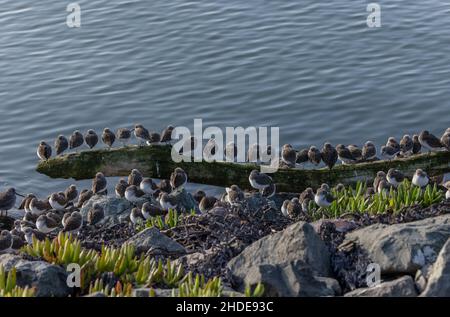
[(355, 152), (392, 142), (61, 144), (148, 210), (166, 135), (394, 177), (164, 185), (76, 140), (406, 145), (91, 138), (198, 196), (136, 216), (120, 188), (207, 203), (314, 155), (123, 135), (369, 151), (344, 155), (259, 180), (416, 145), (380, 176), (95, 214), (85, 195), (154, 138), (178, 178), (73, 223), (445, 140), (71, 194), (108, 137), (329, 155), (135, 177), (234, 195), (288, 155), (291, 208), (167, 202), (44, 151), (99, 184), (133, 194), (141, 133), (302, 156), (429, 141), (253, 153)]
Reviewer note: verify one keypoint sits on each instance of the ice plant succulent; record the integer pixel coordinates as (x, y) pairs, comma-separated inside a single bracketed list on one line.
[(8, 287)]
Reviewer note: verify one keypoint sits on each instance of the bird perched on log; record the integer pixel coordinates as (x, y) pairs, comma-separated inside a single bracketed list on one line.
[(406, 145), (135, 177), (314, 155), (259, 180), (302, 156), (369, 151), (288, 155), (416, 145), (394, 177), (141, 133), (355, 151), (85, 195), (389, 152), (91, 138), (420, 178), (429, 141), (123, 135), (344, 154), (329, 155), (392, 142), (253, 153), (445, 140), (108, 137), (76, 140), (61, 144), (44, 151), (231, 152), (99, 184), (154, 138), (178, 179), (95, 214), (166, 134)]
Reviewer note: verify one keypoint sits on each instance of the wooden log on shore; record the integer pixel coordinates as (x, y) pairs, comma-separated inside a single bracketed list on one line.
[(155, 161)]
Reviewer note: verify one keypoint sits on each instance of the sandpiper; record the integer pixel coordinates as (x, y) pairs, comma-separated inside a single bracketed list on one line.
[(164, 185), (198, 196), (85, 195), (394, 177), (384, 186), (5, 241), (406, 145), (71, 194), (25, 204), (380, 176), (46, 224), (429, 141), (447, 194), (65, 217), (133, 193), (259, 180), (420, 178), (209, 151), (136, 216), (61, 144), (54, 215), (44, 151), (344, 154), (234, 195), (99, 184), (231, 152), (38, 207), (95, 214), (305, 198), (253, 153), (302, 156), (17, 241), (135, 177), (7, 200), (16, 229), (288, 155), (269, 191), (147, 186), (123, 135), (207, 203), (148, 210), (76, 140), (369, 151), (416, 144), (141, 133), (389, 152), (178, 178), (329, 155), (154, 138), (291, 208), (57, 201), (392, 142), (73, 223), (108, 137), (166, 134), (120, 188), (91, 138), (30, 233), (355, 151), (445, 140), (314, 155), (323, 198), (167, 202)]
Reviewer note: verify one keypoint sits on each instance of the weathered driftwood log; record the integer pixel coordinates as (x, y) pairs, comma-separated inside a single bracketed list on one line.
[(155, 161)]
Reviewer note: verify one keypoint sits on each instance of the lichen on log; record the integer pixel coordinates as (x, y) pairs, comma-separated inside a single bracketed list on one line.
[(155, 161)]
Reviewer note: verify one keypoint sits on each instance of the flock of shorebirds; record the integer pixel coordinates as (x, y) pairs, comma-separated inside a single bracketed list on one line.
[(61, 211)]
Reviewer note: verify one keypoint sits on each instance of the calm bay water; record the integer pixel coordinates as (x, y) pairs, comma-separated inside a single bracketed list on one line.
[(311, 67)]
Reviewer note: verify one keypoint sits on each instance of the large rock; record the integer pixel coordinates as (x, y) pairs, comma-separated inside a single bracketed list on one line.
[(115, 208), (439, 277), (153, 242), (401, 287), (48, 279), (403, 248), (287, 253), (185, 201)]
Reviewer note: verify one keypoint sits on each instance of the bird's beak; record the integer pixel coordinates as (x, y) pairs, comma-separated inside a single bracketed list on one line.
[(18, 194)]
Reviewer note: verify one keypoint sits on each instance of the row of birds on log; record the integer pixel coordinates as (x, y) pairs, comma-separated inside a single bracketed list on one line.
[(290, 158)]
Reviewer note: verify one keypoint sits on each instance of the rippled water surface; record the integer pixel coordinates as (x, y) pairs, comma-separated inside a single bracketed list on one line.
[(313, 68)]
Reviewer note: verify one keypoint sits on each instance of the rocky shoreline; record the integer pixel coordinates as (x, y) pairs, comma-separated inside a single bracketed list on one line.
[(254, 244)]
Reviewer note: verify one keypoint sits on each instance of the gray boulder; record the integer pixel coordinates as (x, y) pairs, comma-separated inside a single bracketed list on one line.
[(48, 279), (401, 287), (185, 201), (439, 277), (115, 208), (153, 242), (403, 248)]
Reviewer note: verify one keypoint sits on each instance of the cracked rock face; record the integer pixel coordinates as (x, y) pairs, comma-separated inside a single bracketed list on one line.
[(403, 248), (152, 241), (439, 274), (401, 287)]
